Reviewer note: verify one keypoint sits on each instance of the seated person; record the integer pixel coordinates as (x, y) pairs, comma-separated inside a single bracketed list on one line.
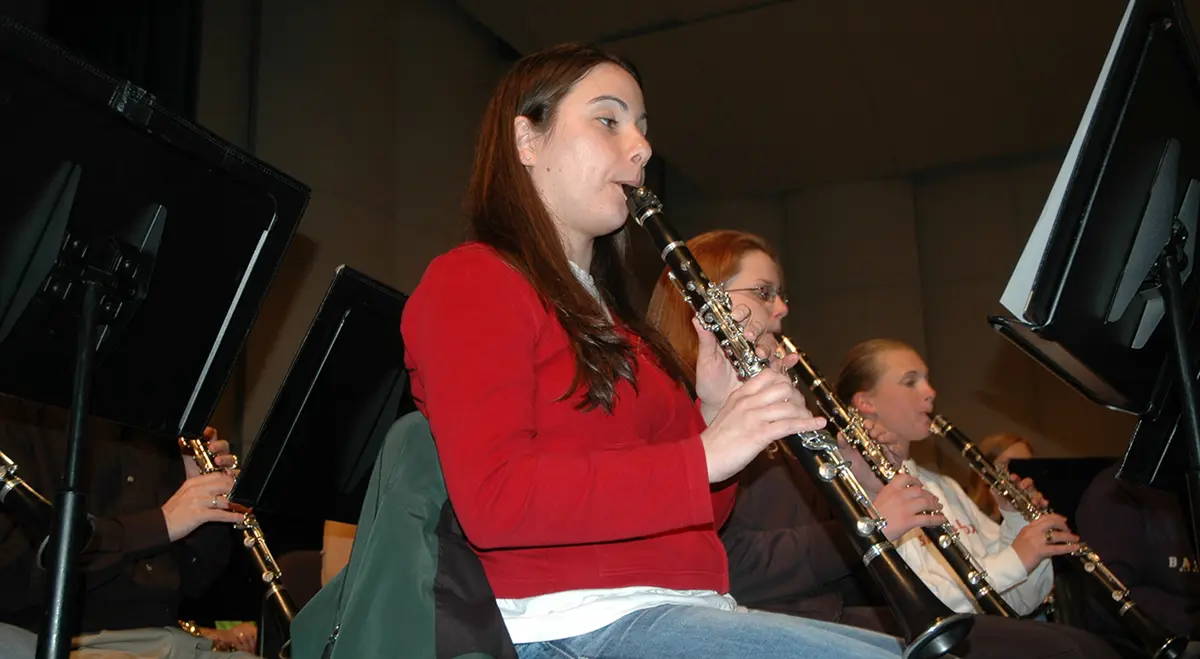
[(888, 383), (161, 534), (587, 478), (1142, 534), (787, 554)]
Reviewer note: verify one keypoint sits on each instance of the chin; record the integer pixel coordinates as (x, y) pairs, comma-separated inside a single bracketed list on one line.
[(609, 225), (919, 433)]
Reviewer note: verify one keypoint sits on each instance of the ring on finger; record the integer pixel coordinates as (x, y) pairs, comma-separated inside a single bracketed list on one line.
[(1049, 537), (214, 502)]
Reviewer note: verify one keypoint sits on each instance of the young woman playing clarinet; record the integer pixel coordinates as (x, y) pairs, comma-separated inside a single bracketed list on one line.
[(588, 480)]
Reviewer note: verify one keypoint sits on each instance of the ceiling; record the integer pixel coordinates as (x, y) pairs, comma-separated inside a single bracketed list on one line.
[(751, 97)]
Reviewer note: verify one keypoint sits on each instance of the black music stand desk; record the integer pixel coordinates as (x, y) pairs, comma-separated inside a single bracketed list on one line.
[(1105, 294), (135, 252), (314, 453)]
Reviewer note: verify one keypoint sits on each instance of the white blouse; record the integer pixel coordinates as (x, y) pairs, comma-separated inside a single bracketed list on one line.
[(990, 543)]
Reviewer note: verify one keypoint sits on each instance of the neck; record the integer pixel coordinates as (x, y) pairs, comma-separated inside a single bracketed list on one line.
[(579, 250), (577, 244), (581, 258)]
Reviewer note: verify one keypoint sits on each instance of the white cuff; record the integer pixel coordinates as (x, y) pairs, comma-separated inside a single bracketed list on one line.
[(1005, 569)]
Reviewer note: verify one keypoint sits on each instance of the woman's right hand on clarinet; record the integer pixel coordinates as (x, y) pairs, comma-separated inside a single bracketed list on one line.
[(1042, 538), (763, 409)]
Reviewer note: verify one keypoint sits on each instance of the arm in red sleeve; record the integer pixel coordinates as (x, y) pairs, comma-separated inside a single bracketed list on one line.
[(509, 484), (723, 494), (722, 502)]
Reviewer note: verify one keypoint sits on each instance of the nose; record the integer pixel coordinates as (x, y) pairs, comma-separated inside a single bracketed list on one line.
[(930, 392), (640, 151), (779, 308)]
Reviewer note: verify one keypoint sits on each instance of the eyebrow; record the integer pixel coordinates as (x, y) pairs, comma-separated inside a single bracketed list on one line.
[(618, 101)]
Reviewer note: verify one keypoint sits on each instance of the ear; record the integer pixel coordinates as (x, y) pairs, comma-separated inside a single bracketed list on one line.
[(863, 403), (525, 139)]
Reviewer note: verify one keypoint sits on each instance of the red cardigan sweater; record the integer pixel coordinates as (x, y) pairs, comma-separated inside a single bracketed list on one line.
[(553, 498)]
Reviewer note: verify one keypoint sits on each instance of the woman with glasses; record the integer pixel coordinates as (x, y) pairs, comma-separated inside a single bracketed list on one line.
[(786, 552), (747, 267)]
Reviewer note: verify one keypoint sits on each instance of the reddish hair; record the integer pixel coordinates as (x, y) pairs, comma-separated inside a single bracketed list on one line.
[(505, 212), (719, 254)]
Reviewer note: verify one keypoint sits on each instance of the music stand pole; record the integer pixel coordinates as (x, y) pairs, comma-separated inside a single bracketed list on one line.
[(1181, 358), (70, 503)]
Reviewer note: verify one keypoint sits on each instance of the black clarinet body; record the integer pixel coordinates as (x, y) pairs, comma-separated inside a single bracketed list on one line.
[(29, 508), (944, 538), (1158, 642), (931, 629)]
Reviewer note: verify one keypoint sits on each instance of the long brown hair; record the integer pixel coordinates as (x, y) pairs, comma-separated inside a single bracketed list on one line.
[(860, 368), (991, 447), (505, 212), (719, 254)]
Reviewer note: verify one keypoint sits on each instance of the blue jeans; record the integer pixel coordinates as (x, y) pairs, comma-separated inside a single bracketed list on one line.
[(702, 633)]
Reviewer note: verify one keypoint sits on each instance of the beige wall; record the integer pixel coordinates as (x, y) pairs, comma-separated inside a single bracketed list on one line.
[(374, 107)]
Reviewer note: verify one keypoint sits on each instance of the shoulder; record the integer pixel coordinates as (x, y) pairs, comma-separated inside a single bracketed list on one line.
[(470, 261), (1106, 489), (954, 495), (946, 484), (471, 273), (471, 282), (924, 474), (1105, 481)]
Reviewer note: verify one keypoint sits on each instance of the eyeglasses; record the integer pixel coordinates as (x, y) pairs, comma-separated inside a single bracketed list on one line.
[(765, 292)]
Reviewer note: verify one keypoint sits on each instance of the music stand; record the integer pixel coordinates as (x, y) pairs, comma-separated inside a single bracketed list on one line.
[(135, 252), (328, 420), (312, 457), (1103, 293)]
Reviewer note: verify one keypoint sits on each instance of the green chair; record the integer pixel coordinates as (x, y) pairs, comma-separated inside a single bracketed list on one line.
[(413, 586)]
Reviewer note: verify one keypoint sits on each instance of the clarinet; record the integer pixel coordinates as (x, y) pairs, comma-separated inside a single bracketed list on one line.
[(1156, 639), (256, 543), (29, 507), (944, 537), (931, 629)]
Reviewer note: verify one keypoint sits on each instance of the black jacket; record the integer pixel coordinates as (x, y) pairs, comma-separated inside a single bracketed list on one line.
[(134, 576)]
